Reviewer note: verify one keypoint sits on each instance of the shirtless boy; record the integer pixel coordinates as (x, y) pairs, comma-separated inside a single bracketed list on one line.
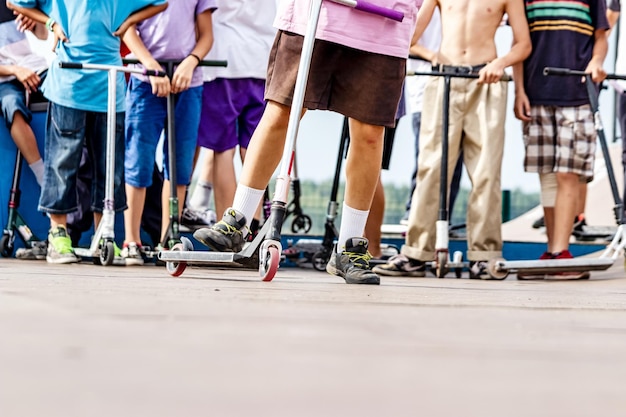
[(477, 116)]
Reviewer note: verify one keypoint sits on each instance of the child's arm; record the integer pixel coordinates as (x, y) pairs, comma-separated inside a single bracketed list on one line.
[(39, 16), (595, 67), (160, 85), (25, 23), (424, 15), (138, 16), (184, 72)]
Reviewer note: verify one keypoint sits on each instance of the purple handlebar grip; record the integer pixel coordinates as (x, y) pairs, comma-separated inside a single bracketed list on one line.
[(381, 11)]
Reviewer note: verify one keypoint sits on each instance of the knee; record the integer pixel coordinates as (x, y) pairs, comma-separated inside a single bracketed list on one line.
[(548, 189)]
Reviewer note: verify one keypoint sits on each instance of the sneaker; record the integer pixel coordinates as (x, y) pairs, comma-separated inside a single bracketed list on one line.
[(132, 253), (566, 275), (480, 270), (530, 275), (401, 266), (197, 218), (37, 251), (579, 224), (60, 249), (225, 235), (539, 223), (353, 263)]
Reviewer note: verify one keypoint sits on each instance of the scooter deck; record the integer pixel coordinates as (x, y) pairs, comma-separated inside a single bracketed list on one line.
[(210, 258), (556, 265)]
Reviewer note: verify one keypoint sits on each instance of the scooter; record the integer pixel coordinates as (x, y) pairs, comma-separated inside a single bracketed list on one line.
[(268, 240), (443, 263), (102, 248), (501, 268)]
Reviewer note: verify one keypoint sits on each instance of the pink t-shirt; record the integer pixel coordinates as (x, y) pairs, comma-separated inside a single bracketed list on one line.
[(354, 28)]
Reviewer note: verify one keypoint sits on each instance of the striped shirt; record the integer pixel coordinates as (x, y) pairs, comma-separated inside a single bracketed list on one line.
[(562, 35)]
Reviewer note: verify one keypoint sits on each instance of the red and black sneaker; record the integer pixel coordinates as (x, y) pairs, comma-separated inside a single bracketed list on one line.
[(567, 275)]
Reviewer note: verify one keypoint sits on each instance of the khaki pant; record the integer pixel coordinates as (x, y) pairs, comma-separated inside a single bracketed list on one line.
[(476, 125)]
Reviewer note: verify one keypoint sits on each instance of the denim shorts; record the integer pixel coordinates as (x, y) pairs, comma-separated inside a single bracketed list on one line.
[(231, 110), (146, 119), (67, 129), (12, 100)]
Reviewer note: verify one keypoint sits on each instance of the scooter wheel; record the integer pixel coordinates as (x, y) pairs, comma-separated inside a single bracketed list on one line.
[(302, 224), (6, 246), (176, 269), (268, 268), (494, 271), (107, 253), (442, 262), (319, 260), (458, 272)]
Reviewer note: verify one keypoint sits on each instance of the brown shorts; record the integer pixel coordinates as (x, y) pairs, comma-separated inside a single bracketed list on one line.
[(357, 84)]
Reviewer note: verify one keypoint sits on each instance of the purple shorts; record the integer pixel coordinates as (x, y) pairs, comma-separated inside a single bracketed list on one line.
[(231, 110)]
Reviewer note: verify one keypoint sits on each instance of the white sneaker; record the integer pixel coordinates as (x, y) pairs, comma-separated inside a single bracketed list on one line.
[(132, 254)]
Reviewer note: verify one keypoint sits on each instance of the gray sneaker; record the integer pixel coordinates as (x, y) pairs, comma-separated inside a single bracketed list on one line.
[(353, 263), (60, 249), (132, 254), (225, 235), (37, 251), (401, 266)]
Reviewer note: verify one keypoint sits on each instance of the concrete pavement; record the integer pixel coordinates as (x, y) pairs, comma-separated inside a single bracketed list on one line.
[(84, 340)]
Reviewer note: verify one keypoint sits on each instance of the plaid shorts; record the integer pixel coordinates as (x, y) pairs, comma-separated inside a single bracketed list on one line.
[(560, 139)]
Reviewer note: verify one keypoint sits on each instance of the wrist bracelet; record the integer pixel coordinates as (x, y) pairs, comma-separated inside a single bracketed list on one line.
[(195, 56), (49, 24)]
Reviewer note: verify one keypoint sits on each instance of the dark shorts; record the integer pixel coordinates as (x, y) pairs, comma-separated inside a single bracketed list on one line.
[(231, 110), (361, 85)]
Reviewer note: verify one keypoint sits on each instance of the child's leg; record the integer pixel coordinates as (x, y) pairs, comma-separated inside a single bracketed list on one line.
[(225, 183), (362, 173), (18, 117), (565, 209), (200, 198), (143, 124), (375, 220)]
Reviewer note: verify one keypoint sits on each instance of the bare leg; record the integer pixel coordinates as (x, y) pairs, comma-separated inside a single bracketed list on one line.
[(375, 220), (135, 197), (548, 218), (265, 149), (24, 138), (181, 190), (567, 197), (582, 198), (363, 164), (58, 220), (225, 182)]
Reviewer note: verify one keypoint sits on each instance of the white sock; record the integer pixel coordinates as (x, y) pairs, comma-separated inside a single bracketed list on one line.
[(37, 168), (247, 201), (352, 225), (201, 197)]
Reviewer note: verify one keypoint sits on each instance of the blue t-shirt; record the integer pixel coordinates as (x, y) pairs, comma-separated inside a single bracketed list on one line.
[(562, 35), (89, 26)]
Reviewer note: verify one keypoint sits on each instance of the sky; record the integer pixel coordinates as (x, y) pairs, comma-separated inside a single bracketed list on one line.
[(320, 131)]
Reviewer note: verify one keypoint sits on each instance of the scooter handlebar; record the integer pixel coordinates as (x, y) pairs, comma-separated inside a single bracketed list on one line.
[(562, 71), (70, 65), (156, 73), (566, 71), (381, 11), (368, 7)]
